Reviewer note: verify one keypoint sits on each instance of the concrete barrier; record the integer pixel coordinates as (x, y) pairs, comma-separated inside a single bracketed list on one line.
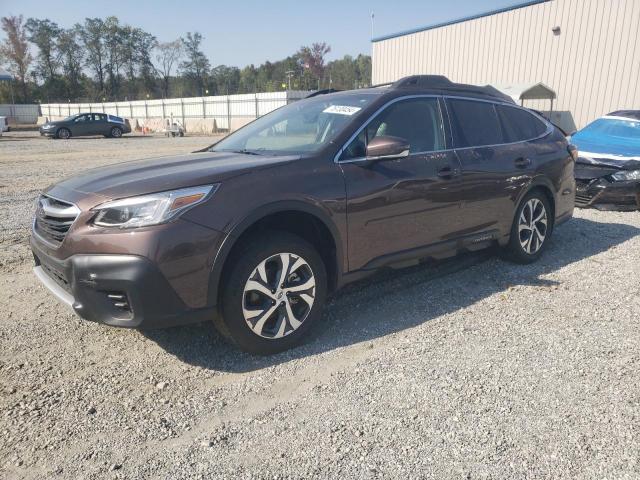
[(200, 125), (240, 122), (193, 126)]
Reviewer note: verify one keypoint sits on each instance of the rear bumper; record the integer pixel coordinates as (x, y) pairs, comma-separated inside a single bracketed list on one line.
[(605, 195), (117, 290)]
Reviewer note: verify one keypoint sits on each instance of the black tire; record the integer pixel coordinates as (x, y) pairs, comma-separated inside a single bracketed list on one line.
[(536, 241), (231, 322), (63, 133), (115, 132)]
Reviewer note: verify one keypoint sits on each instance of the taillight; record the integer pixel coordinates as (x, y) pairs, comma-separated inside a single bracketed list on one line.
[(573, 151)]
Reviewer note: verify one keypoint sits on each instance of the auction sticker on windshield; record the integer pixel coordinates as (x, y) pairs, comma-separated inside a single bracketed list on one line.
[(342, 109)]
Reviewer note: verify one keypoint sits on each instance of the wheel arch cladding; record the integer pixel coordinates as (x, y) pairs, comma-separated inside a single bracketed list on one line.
[(306, 221), (545, 186), (550, 197)]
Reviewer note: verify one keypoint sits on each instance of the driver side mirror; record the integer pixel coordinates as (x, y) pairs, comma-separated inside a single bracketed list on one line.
[(387, 147)]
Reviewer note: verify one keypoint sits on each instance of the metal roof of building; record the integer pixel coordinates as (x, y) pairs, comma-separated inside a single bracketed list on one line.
[(459, 20)]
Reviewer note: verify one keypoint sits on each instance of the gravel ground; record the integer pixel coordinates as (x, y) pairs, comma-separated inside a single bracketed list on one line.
[(476, 368)]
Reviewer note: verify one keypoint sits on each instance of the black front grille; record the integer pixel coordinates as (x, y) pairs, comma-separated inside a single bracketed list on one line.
[(54, 218), (57, 276)]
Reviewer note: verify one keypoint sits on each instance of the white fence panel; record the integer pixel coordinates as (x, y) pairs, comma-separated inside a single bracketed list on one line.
[(223, 108), (19, 113)]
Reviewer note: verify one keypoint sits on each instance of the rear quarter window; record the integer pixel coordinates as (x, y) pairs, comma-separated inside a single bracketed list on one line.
[(474, 123), (519, 125)]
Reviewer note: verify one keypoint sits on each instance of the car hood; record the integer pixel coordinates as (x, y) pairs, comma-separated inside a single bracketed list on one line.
[(614, 163), (610, 149), (160, 174)]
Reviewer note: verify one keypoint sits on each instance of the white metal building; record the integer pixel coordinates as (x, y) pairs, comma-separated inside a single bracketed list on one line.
[(587, 51)]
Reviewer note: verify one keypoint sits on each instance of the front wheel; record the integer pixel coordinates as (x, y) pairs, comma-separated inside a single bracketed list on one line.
[(273, 294), (116, 132), (531, 228), (63, 133)]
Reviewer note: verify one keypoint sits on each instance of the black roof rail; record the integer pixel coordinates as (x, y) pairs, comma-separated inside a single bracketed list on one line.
[(322, 92), (378, 85), (424, 81), (440, 82)]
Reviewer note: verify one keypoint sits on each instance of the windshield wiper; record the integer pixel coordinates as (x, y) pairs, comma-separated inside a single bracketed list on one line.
[(245, 152)]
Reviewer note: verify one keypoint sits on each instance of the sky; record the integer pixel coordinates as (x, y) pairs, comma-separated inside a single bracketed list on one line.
[(238, 33)]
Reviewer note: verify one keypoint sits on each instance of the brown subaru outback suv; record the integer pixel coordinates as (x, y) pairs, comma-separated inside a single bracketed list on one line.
[(255, 231)]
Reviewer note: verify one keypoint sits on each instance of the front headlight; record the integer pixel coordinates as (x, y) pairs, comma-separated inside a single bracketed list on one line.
[(624, 175), (150, 209), (47, 126)]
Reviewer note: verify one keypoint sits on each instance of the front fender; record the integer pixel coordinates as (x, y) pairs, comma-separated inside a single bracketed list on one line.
[(314, 208)]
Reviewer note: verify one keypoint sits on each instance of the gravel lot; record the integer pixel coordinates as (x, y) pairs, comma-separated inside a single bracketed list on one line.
[(476, 368)]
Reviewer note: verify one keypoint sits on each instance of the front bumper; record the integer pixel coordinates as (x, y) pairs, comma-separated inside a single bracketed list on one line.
[(118, 290), (605, 195), (51, 132)]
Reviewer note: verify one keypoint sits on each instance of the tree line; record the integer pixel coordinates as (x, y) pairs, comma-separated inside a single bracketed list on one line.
[(105, 60)]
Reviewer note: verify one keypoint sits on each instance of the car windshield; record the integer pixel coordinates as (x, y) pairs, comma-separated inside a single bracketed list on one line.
[(70, 117), (301, 127), (614, 127)]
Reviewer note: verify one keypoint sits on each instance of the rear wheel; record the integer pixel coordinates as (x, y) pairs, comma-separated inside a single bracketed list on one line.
[(273, 294), (116, 132), (63, 133), (531, 228)]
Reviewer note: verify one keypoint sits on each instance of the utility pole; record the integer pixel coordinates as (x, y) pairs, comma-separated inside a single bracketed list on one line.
[(289, 74), (372, 20)]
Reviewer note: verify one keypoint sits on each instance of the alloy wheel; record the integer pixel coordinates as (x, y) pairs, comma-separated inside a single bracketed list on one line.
[(116, 133), (279, 295), (532, 226)]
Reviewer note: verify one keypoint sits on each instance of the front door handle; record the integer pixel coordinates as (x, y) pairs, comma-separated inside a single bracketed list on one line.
[(522, 162), (448, 172)]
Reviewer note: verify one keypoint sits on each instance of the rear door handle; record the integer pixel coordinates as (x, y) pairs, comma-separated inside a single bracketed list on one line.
[(522, 162), (448, 172)]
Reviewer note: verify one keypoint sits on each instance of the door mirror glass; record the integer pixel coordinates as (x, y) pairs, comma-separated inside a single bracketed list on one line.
[(387, 147)]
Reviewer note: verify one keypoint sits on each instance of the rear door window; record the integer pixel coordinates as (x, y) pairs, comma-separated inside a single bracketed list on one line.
[(417, 120), (474, 123), (519, 125)]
